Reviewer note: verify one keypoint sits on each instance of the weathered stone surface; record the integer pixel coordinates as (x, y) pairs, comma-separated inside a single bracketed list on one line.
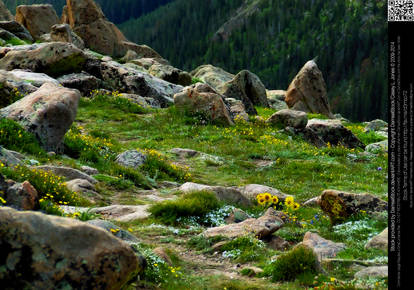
[(89, 170), (83, 186), (5, 14), (35, 79), (211, 75), (340, 205), (170, 74), (251, 191), (6, 35), (289, 118), (314, 201), (372, 272), (277, 243), (334, 132), (129, 80), (83, 82), (261, 227), (116, 231), (380, 241), (322, 248), (147, 62), (48, 113), (142, 51), (7, 158), (63, 33), (237, 109), (307, 92), (279, 95), (376, 125), (131, 158), (22, 196), (248, 88), (227, 194), (184, 153), (236, 216), (123, 213), (53, 58), (378, 147), (47, 252), (201, 99), (67, 172), (38, 19), (137, 99)]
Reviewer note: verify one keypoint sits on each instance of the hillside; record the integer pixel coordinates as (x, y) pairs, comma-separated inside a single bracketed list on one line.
[(119, 170), (274, 38)]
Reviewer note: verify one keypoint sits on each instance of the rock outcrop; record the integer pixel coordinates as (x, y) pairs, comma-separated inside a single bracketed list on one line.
[(202, 100), (289, 118), (67, 172), (83, 82), (63, 33), (47, 113), (54, 58), (47, 252), (21, 196), (321, 247), (131, 158), (211, 75), (38, 19), (18, 30), (248, 88), (261, 227), (307, 92)]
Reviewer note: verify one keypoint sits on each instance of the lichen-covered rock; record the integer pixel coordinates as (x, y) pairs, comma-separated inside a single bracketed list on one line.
[(83, 82), (377, 147), (376, 125), (307, 92), (248, 88), (380, 241), (170, 74), (63, 33), (22, 196), (5, 14), (131, 158), (67, 172), (227, 194), (48, 113), (202, 100), (35, 79), (46, 252), (261, 227), (237, 109), (340, 205), (289, 118), (53, 58), (129, 80), (321, 247), (38, 19), (211, 75), (7, 158), (372, 272), (334, 132)]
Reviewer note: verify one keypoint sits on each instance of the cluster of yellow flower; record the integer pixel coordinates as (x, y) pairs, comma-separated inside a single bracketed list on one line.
[(268, 200), (271, 140)]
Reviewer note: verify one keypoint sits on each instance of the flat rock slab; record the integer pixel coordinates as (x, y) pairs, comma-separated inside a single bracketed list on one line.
[(373, 272), (261, 227), (69, 173), (323, 248), (123, 213)]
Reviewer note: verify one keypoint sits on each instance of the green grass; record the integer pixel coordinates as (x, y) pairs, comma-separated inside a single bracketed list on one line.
[(194, 204)]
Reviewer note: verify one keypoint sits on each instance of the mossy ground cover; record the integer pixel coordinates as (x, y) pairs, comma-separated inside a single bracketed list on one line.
[(106, 126)]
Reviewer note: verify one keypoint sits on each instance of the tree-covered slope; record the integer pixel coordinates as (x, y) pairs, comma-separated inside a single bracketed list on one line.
[(275, 38), (116, 10)]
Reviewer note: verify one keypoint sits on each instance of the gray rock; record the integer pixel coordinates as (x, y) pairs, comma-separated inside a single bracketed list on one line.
[(379, 147), (322, 248), (372, 272), (277, 243), (8, 158), (83, 82), (67, 172), (17, 29), (380, 241), (22, 196), (63, 33), (35, 79), (170, 74), (123, 213), (376, 125), (211, 75), (131, 158), (83, 186), (136, 99), (251, 191), (289, 118), (89, 170), (61, 253), (120, 233), (48, 113), (261, 227)]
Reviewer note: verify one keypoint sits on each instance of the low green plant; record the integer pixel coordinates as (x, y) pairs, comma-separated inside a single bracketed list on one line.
[(194, 204), (196, 80), (201, 243), (85, 215), (14, 137), (115, 182), (293, 264), (131, 174), (116, 100), (244, 249)]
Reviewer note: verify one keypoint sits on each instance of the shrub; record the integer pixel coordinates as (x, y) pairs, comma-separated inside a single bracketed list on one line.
[(293, 264), (116, 182), (14, 137), (196, 204), (244, 249), (130, 174)]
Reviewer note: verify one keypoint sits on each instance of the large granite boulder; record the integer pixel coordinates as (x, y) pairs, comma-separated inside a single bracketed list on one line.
[(82, 81), (16, 29), (322, 248), (131, 158), (340, 205), (289, 118), (211, 75), (200, 99), (334, 132), (19, 76), (377, 147), (380, 241), (38, 19), (248, 88), (63, 33), (47, 113), (127, 79), (261, 227), (170, 74), (53, 59), (47, 252), (307, 92)]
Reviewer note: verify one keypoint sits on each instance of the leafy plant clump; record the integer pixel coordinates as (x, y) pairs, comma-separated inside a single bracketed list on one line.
[(293, 264), (14, 137), (116, 100), (244, 249), (194, 204)]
